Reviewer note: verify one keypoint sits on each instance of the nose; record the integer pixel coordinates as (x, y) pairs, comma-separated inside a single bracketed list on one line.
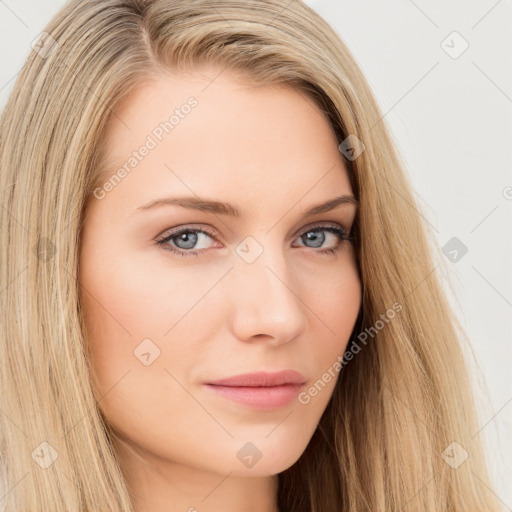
[(265, 300)]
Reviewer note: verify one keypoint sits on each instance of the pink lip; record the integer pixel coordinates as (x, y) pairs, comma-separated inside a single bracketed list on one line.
[(262, 379), (260, 390)]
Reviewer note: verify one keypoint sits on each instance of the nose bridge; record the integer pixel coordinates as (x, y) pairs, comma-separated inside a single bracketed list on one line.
[(263, 296)]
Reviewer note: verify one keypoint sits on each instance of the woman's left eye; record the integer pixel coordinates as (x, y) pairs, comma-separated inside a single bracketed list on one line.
[(186, 238)]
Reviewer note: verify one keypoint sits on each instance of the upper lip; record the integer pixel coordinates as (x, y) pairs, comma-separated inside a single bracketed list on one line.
[(262, 379)]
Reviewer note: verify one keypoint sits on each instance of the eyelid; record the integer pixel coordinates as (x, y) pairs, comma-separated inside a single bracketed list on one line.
[(324, 224), (184, 227)]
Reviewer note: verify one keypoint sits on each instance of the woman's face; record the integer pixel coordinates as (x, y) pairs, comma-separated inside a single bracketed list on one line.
[(253, 292)]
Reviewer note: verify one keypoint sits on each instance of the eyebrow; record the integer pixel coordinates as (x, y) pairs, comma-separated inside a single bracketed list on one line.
[(217, 207)]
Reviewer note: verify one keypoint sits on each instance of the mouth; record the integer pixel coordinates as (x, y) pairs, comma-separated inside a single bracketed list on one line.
[(260, 390), (258, 397)]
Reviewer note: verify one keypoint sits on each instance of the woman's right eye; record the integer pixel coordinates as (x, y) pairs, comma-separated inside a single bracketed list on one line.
[(184, 240)]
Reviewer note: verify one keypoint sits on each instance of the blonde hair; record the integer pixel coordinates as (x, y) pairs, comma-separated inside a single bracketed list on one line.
[(398, 404)]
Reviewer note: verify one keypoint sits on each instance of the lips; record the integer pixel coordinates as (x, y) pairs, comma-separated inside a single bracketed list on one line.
[(261, 390), (260, 379)]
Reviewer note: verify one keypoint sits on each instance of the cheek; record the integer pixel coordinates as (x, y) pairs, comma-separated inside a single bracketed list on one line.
[(340, 303), (133, 307), (135, 298), (125, 310), (336, 309), (152, 405), (332, 292), (335, 303)]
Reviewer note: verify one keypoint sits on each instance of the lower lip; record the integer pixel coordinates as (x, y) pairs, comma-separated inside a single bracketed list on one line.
[(264, 398)]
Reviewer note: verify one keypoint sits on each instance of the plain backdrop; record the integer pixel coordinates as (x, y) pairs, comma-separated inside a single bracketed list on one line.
[(441, 73)]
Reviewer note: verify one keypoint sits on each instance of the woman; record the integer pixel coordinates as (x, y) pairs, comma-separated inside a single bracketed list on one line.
[(228, 300)]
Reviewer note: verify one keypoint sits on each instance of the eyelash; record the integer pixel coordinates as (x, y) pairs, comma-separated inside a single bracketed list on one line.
[(340, 232)]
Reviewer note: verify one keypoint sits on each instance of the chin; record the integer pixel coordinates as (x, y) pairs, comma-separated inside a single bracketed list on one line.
[(263, 458)]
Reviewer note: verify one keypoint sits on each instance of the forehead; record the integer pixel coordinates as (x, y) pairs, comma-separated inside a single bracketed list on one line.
[(209, 134)]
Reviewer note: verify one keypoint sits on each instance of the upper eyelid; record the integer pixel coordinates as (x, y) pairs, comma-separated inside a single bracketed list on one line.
[(187, 227)]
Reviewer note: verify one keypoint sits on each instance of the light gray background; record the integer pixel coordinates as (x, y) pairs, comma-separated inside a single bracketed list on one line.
[(451, 119)]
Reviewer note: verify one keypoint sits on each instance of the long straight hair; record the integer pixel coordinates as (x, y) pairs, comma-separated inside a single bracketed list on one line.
[(402, 400)]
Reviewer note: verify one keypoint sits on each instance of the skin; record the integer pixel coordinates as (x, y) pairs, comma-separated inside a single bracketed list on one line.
[(271, 152)]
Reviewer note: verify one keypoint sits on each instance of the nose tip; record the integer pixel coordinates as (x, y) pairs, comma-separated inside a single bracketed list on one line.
[(265, 305)]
